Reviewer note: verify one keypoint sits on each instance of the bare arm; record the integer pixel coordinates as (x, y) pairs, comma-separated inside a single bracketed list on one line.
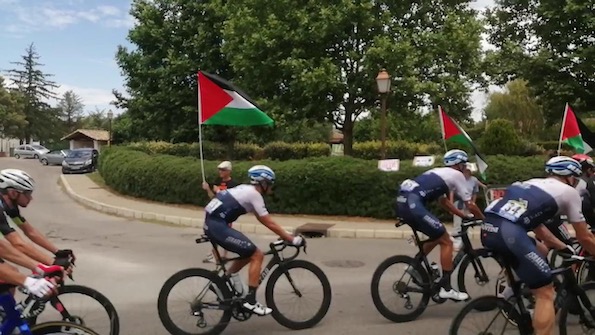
[(584, 236), (472, 207), (11, 275), (37, 237), (548, 238), (451, 197), (12, 254), (29, 249), (267, 221), (450, 207)]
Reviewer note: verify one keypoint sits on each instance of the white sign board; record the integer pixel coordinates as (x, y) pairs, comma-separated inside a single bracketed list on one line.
[(389, 165), (423, 161), (472, 167), (337, 150)]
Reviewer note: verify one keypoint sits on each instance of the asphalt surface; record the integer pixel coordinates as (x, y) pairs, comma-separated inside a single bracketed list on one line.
[(128, 261)]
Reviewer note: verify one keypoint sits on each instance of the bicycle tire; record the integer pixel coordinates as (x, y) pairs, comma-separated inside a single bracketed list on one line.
[(568, 306), (162, 310), (465, 262), (57, 327), (387, 313), (487, 301), (326, 291)]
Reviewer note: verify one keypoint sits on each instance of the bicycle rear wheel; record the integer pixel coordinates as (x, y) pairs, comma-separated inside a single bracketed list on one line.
[(195, 304), (61, 327), (296, 289), (499, 315)]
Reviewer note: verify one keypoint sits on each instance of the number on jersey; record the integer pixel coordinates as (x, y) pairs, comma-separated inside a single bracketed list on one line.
[(513, 209), (408, 185), (213, 205)]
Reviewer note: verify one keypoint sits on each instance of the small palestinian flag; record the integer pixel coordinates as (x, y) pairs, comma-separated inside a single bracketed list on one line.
[(451, 132), (221, 103), (571, 133)]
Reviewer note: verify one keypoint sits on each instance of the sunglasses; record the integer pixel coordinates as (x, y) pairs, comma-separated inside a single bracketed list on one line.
[(26, 193)]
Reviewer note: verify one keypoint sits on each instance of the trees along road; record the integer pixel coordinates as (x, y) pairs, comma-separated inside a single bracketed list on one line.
[(129, 260)]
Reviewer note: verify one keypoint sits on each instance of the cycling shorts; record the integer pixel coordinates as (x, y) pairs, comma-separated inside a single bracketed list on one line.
[(222, 234), (412, 210), (518, 249)]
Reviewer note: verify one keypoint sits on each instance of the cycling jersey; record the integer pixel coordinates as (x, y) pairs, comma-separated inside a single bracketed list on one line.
[(414, 194), (13, 213), (524, 206), (226, 207)]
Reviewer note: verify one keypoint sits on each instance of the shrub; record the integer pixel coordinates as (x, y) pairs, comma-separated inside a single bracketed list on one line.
[(394, 149), (501, 138), (319, 185)]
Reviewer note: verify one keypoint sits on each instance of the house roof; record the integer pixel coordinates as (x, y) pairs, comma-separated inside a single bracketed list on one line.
[(94, 134)]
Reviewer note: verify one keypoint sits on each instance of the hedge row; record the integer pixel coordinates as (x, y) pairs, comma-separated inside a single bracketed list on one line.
[(320, 185), (285, 151)]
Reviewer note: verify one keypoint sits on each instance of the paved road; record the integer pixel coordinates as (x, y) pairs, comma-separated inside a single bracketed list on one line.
[(129, 260)]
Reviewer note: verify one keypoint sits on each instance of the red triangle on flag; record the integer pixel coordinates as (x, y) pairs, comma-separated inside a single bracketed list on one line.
[(212, 98)]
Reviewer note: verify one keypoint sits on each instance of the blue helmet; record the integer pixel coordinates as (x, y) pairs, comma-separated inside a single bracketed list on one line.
[(260, 173), (454, 157), (563, 166)]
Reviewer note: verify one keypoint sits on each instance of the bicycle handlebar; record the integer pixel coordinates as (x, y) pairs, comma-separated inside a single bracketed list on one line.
[(280, 245), (471, 222), (572, 259)]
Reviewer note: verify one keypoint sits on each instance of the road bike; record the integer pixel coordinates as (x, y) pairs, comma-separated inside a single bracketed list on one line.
[(229, 301), (571, 299), (426, 276)]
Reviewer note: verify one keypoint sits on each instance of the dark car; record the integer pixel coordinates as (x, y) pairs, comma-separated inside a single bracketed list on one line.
[(80, 160)]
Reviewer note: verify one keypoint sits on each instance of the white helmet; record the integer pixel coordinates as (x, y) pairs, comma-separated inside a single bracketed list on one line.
[(17, 179), (260, 173), (454, 157), (563, 166)]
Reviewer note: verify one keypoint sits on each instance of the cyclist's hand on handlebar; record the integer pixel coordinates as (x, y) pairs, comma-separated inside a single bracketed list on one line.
[(568, 249), (39, 287), (49, 271), (66, 253), (297, 241)]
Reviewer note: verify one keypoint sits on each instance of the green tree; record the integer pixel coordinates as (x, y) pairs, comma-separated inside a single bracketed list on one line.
[(517, 105), (500, 137), (420, 128), (71, 108), (35, 86), (318, 60), (12, 115), (550, 44), (173, 40), (95, 120)]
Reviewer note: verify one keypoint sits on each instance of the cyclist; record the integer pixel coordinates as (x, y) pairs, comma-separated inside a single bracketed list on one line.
[(437, 183), (226, 207), (524, 207), (16, 189)]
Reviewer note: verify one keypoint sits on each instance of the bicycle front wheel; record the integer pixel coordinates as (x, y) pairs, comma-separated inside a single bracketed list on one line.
[(489, 315), (61, 327), (284, 284), (572, 318), (477, 274)]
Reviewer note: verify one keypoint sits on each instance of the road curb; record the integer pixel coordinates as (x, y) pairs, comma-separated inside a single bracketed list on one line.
[(249, 228)]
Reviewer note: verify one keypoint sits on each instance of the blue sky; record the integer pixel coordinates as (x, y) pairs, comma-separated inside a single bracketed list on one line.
[(77, 41)]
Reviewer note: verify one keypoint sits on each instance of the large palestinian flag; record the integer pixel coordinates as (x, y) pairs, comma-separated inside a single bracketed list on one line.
[(221, 103)]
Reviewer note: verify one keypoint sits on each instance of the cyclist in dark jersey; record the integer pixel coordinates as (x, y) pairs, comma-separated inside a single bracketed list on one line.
[(523, 208), (16, 191), (226, 207)]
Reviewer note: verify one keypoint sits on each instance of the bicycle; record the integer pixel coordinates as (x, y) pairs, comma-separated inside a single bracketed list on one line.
[(230, 301), (31, 314), (13, 318), (426, 276), (571, 298)]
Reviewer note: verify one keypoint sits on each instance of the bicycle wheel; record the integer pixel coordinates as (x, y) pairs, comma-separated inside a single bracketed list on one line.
[(484, 268), (570, 319), (400, 288), (195, 304), (61, 327), (296, 289), (72, 312), (585, 272), (492, 308)]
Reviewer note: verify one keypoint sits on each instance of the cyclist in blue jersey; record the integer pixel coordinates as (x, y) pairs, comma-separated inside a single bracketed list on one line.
[(524, 207), (436, 184), (226, 207)]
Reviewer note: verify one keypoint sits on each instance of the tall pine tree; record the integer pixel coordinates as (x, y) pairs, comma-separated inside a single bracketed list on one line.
[(35, 86)]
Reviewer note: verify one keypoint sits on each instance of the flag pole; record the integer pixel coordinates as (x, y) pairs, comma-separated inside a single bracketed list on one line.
[(562, 128), (442, 127), (202, 162)]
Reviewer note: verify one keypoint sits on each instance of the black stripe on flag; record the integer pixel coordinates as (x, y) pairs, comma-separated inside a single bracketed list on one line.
[(226, 85)]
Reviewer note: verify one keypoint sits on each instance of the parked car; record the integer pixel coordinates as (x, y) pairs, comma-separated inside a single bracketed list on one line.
[(30, 151), (80, 160), (53, 157)]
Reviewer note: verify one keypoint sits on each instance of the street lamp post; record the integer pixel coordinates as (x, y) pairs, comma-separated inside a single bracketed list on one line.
[(383, 83), (110, 115)]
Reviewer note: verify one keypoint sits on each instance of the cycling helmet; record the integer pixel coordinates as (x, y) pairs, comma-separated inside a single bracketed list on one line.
[(585, 161), (17, 179), (454, 157), (563, 166), (260, 173)]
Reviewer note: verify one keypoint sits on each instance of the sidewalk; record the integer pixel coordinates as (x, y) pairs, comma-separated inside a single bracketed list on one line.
[(85, 191)]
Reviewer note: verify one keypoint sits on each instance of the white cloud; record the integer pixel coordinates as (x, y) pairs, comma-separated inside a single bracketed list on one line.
[(91, 96)]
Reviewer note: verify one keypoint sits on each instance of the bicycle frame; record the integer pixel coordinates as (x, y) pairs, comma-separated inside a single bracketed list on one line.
[(13, 318)]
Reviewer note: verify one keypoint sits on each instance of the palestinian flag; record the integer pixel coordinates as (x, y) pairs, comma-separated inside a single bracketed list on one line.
[(451, 132), (571, 132), (221, 103)]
